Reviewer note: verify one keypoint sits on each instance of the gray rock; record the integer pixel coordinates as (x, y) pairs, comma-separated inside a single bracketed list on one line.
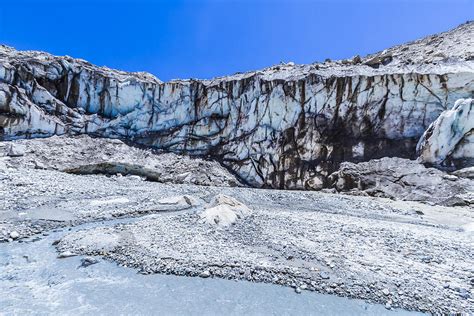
[(205, 274), (87, 261), (39, 165), (450, 177), (14, 235), (454, 201), (324, 275), (66, 254), (463, 293)]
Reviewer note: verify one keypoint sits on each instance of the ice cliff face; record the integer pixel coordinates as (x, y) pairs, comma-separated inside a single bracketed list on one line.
[(450, 139), (287, 126)]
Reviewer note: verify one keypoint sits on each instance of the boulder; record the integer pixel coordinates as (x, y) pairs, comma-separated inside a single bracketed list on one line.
[(402, 179), (66, 254), (88, 261), (113, 168)]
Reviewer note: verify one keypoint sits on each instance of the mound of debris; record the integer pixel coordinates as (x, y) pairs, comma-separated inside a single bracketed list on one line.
[(86, 155)]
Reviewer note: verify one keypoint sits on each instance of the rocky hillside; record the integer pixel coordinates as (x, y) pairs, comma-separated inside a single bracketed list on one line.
[(287, 126)]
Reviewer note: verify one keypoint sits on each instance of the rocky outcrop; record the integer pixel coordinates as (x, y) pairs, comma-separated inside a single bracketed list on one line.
[(287, 126), (403, 179), (449, 141)]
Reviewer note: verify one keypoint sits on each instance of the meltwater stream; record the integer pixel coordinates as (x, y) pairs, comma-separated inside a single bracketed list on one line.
[(34, 281)]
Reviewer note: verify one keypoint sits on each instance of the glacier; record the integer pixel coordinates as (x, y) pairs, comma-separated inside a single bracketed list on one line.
[(287, 126)]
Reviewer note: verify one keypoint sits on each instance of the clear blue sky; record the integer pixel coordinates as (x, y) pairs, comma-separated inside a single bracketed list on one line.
[(202, 39)]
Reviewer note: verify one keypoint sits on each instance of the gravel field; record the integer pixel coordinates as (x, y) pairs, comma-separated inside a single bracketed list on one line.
[(397, 263), (400, 254)]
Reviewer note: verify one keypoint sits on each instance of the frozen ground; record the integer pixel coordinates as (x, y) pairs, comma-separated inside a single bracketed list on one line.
[(400, 254)]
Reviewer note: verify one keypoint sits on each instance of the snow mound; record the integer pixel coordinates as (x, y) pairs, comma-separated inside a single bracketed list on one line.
[(224, 211)]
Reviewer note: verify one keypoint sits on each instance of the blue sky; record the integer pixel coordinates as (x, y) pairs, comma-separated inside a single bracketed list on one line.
[(203, 39)]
